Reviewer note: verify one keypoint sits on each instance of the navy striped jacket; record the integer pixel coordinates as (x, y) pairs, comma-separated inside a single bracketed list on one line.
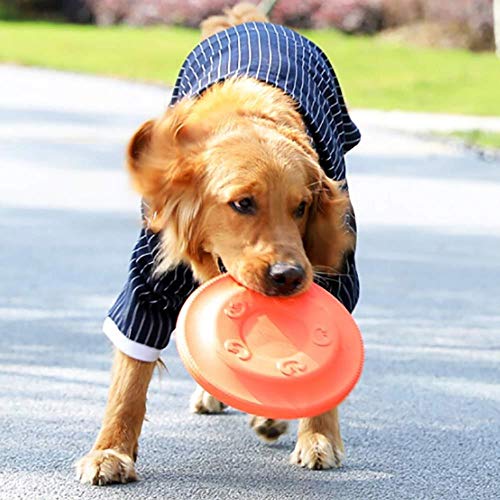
[(143, 317)]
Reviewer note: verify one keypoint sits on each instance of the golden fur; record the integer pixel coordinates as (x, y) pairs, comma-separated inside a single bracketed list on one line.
[(241, 138), (112, 457)]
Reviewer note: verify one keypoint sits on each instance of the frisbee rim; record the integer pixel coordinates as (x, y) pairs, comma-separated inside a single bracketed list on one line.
[(269, 411)]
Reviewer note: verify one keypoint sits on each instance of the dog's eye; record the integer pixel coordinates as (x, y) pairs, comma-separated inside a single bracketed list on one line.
[(301, 210), (244, 206)]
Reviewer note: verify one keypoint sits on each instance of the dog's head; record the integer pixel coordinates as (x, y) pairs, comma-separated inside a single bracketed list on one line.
[(227, 185)]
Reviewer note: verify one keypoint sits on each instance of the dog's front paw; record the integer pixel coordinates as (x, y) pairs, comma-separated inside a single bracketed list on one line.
[(203, 402), (316, 451), (268, 429), (102, 467)]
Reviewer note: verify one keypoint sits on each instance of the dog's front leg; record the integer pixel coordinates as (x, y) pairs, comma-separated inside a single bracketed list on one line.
[(319, 444), (112, 457)]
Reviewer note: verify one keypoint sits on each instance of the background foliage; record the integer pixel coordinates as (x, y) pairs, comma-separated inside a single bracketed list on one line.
[(463, 23)]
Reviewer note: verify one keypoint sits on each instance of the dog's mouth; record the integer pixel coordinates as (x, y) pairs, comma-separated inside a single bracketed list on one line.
[(223, 269), (277, 290)]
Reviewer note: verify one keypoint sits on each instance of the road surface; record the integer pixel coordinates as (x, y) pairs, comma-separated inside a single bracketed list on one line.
[(423, 423)]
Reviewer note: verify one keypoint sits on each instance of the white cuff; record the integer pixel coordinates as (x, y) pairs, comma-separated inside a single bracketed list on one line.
[(129, 347)]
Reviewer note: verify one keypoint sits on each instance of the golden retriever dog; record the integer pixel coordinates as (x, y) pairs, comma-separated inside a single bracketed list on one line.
[(231, 177)]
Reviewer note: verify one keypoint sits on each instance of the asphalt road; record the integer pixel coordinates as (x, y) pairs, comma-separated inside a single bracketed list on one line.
[(423, 423)]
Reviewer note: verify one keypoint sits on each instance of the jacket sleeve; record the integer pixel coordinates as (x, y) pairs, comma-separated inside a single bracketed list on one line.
[(343, 286), (146, 310)]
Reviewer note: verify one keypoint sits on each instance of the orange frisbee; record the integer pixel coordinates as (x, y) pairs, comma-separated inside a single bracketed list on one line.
[(278, 357)]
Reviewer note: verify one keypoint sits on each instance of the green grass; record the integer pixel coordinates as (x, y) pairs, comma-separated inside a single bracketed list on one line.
[(373, 73), (479, 138)]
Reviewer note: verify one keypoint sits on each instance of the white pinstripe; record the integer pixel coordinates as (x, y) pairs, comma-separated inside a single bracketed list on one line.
[(210, 57), (279, 50), (238, 44), (219, 69), (287, 79), (260, 56), (297, 72), (129, 334), (270, 55), (249, 50), (229, 55)]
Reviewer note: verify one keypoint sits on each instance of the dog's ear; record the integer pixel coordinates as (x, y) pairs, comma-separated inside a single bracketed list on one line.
[(159, 160), (330, 233), (162, 162), (155, 149)]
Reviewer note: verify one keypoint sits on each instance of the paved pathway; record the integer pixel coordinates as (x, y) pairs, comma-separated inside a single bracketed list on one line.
[(428, 122), (424, 421)]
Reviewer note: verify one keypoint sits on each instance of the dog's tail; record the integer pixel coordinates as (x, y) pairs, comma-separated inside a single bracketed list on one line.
[(239, 14)]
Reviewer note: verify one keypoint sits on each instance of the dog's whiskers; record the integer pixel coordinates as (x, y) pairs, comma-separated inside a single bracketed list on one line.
[(325, 277)]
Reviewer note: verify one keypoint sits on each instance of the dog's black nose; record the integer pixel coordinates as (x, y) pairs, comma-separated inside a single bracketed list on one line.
[(285, 278)]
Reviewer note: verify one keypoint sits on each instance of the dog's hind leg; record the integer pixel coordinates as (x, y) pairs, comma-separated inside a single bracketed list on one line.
[(268, 429), (112, 457), (204, 403)]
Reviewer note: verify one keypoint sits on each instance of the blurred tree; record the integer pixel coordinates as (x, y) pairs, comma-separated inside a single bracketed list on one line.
[(77, 11), (445, 23), (37, 6), (496, 12)]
